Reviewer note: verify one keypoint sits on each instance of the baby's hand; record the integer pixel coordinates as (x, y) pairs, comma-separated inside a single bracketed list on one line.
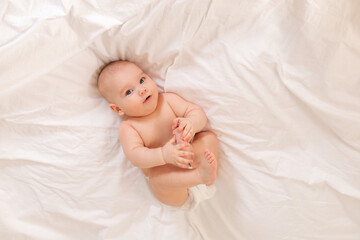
[(179, 155), (185, 126)]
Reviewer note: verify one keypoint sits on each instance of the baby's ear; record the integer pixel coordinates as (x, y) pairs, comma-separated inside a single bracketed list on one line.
[(116, 109)]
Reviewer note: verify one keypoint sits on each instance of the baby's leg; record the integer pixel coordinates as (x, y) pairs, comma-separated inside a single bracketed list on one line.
[(204, 140), (169, 183)]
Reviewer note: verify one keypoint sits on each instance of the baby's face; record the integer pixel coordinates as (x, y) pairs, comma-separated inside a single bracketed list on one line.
[(134, 92)]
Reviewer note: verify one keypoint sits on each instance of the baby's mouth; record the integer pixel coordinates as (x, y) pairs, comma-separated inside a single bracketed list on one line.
[(148, 97)]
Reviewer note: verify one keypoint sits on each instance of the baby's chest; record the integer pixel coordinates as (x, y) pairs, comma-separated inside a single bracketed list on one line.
[(157, 131)]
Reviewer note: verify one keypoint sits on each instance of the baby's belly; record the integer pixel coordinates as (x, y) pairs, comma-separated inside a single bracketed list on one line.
[(155, 139)]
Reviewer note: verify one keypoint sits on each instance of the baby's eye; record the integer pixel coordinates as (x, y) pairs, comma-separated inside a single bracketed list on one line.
[(142, 80), (128, 92)]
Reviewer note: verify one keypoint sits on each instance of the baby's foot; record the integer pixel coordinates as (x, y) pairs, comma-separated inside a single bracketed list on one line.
[(207, 168)]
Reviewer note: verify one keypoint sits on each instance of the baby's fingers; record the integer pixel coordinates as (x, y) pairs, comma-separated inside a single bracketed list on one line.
[(188, 155), (184, 166), (182, 146), (187, 135), (175, 123), (183, 162), (182, 126), (186, 131)]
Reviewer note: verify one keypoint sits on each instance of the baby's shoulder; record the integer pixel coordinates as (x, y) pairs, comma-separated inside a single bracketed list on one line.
[(169, 94), (125, 128), (128, 133), (124, 124), (170, 97)]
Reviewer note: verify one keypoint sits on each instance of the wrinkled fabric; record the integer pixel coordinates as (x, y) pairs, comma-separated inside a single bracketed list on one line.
[(278, 80)]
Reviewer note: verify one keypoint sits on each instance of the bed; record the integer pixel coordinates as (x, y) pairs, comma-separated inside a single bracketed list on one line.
[(278, 80)]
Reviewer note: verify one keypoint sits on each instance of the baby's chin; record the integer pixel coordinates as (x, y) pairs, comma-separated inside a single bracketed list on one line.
[(152, 103)]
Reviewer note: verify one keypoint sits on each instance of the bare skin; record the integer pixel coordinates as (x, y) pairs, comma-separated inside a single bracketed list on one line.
[(147, 133), (169, 183)]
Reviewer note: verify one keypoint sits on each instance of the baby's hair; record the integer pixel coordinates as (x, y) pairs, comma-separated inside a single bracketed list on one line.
[(107, 65), (110, 67)]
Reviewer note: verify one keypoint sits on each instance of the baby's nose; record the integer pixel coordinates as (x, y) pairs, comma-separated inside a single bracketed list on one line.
[(142, 91)]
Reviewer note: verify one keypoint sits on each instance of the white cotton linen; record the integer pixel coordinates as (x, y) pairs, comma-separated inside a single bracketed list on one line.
[(278, 80)]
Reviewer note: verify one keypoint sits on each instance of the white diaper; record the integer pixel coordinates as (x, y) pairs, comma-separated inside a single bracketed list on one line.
[(197, 194)]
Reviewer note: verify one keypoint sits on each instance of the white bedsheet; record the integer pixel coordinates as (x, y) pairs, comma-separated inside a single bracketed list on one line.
[(279, 81)]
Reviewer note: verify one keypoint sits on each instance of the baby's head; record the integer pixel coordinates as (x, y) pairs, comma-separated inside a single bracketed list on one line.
[(128, 89)]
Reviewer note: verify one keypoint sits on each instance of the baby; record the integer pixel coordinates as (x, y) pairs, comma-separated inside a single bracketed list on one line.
[(151, 121)]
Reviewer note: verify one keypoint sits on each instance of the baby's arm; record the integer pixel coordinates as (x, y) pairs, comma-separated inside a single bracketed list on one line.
[(188, 114), (135, 151), (143, 157)]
